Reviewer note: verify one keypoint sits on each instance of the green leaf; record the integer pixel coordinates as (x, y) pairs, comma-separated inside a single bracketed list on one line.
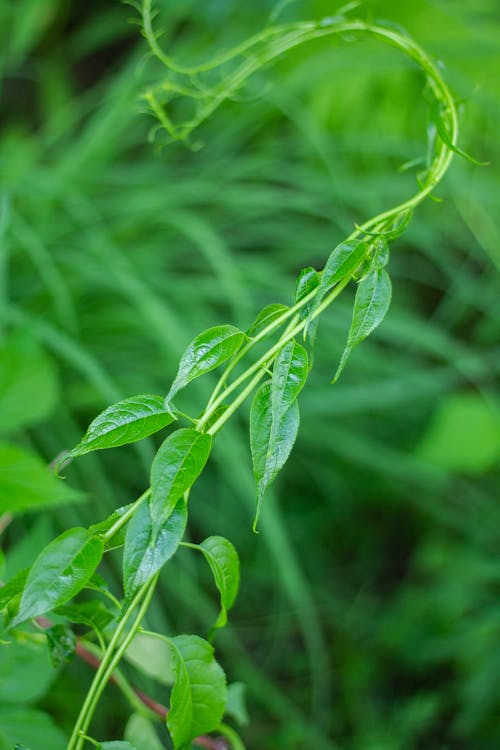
[(270, 445), (224, 563), (342, 262), (62, 643), (199, 694), (102, 527), (373, 297), (31, 728), (141, 733), (25, 672), (307, 280), (125, 422), (289, 376), (116, 745), (28, 384), (152, 657), (206, 352), (60, 571), (267, 315), (26, 483), (93, 613), (145, 551), (178, 463)]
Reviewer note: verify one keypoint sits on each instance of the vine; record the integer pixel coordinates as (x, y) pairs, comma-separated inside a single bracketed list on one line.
[(151, 529)]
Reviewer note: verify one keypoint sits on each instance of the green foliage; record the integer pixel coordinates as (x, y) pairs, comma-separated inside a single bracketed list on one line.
[(225, 566), (199, 694)]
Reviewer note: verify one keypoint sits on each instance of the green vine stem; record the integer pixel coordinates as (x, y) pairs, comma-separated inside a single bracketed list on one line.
[(251, 55)]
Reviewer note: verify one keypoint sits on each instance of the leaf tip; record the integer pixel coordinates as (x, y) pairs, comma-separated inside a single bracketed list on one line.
[(61, 461)]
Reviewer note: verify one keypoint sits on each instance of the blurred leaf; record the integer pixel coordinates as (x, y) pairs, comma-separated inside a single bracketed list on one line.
[(116, 745), (60, 571), (25, 672), (26, 483), (29, 727), (151, 656), (141, 733), (28, 384), (199, 694), (94, 613), (464, 434), (236, 703)]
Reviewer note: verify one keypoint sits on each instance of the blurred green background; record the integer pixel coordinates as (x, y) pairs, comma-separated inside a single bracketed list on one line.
[(368, 617)]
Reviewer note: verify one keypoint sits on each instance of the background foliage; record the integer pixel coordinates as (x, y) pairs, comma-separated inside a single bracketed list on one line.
[(368, 615)]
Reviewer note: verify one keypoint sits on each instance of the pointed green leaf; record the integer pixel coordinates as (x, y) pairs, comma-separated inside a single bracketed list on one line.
[(199, 694), (342, 262), (26, 483), (289, 376), (373, 297), (60, 571), (178, 463), (125, 422), (145, 553), (224, 563), (267, 315), (307, 280), (270, 446), (207, 351)]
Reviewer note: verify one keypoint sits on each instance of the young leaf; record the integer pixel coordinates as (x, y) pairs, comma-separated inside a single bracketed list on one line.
[(267, 315), (199, 694), (125, 422), (60, 571), (102, 527), (207, 351), (270, 445), (179, 461), (145, 553), (62, 643), (289, 376), (343, 261), (373, 297), (225, 566), (307, 280)]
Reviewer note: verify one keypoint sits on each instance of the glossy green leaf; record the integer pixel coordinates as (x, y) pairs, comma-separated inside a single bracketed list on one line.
[(60, 571), (267, 315), (62, 644), (93, 613), (147, 551), (224, 563), (289, 376), (125, 422), (179, 461), (199, 694), (206, 352), (26, 483), (270, 445), (28, 384), (373, 297), (342, 261), (29, 727), (307, 280), (141, 733)]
